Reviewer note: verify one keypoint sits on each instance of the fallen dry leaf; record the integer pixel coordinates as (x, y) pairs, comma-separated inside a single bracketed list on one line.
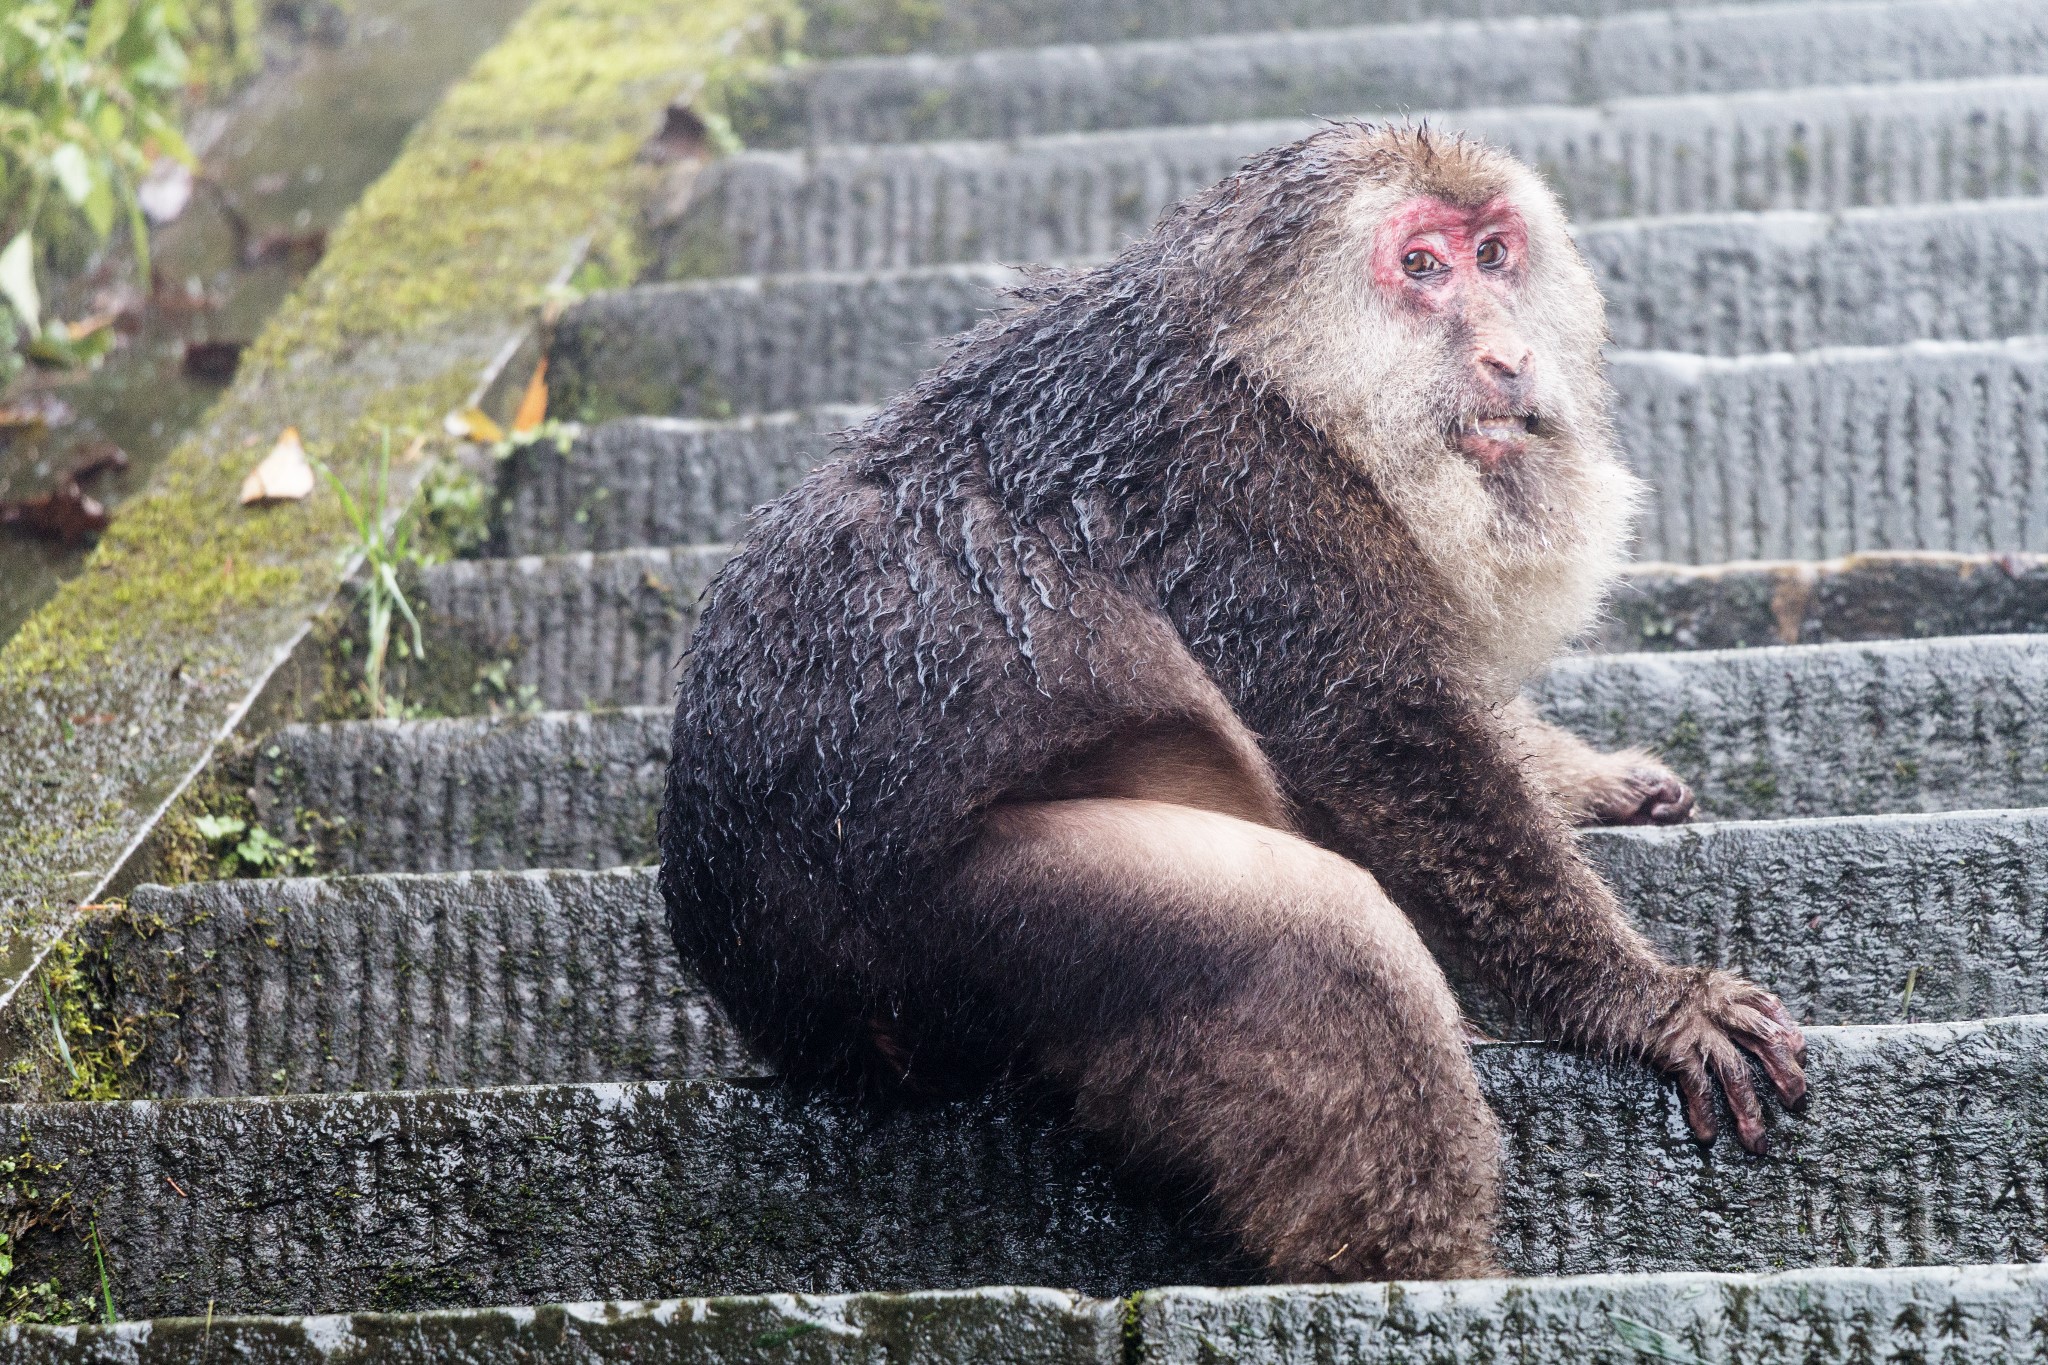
[(285, 475), (533, 405), (64, 514)]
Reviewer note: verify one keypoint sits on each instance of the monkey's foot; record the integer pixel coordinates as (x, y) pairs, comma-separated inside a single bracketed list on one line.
[(1640, 791)]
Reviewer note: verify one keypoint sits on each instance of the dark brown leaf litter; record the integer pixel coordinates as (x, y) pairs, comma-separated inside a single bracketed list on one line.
[(67, 514)]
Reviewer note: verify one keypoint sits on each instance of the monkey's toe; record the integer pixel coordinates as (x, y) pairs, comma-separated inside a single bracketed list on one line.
[(1647, 797), (1668, 802)]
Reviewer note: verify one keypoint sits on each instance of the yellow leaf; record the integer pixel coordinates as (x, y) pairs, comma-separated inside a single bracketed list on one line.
[(473, 424), (533, 407), (285, 475)]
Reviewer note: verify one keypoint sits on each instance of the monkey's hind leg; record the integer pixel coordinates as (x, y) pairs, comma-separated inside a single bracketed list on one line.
[(1237, 1007)]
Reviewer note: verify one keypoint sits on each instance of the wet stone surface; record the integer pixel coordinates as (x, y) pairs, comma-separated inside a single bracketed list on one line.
[(1888, 726), (384, 983), (1074, 196), (1923, 1144), (1228, 77)]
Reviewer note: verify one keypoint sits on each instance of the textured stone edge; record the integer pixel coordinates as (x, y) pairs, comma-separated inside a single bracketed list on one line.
[(190, 605), (1978, 1313)]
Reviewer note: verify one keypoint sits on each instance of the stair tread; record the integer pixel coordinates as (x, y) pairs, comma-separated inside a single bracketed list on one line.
[(1973, 1315)]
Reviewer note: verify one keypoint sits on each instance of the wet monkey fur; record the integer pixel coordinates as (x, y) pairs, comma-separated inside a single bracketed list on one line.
[(1131, 706)]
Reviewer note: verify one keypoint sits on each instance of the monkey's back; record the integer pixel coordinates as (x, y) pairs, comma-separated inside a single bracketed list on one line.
[(859, 689)]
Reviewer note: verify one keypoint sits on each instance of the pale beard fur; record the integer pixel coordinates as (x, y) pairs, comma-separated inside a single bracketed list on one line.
[(1528, 551)]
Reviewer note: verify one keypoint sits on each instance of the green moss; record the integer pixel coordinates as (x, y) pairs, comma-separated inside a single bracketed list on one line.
[(121, 684), (34, 1203)]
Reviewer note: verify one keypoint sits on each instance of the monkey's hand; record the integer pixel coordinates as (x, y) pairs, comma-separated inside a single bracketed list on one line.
[(1708, 1037), (1630, 788)]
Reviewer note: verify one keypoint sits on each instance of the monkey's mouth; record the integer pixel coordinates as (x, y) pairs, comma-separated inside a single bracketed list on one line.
[(1493, 437)]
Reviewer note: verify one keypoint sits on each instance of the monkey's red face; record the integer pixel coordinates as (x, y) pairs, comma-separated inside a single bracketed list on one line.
[(1461, 271)]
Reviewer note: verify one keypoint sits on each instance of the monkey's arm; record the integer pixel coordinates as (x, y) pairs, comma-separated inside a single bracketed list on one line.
[(1627, 787), (1434, 800)]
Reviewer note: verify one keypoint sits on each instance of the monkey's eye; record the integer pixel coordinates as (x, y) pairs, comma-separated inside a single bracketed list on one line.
[(1493, 254), (1418, 263)]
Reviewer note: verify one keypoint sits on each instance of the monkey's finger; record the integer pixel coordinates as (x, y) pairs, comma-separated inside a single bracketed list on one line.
[(1696, 1094), (1775, 1007), (1780, 1052), (1732, 1070)]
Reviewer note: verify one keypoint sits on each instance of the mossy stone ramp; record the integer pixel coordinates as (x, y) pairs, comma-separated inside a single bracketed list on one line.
[(461, 1069)]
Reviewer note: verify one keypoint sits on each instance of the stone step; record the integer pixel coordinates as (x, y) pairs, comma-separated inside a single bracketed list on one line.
[(965, 25), (1961, 1315), (704, 349), (1561, 59), (762, 343), (1743, 283), (1884, 596), (598, 630), (1073, 196), (562, 789), (1930, 445), (1805, 730), (1810, 730), (655, 480), (562, 632), (1720, 284), (1920, 1146), (1927, 446), (405, 982)]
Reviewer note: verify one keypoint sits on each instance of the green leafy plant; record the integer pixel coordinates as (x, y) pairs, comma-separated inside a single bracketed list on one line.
[(88, 98), (248, 850), (382, 552)]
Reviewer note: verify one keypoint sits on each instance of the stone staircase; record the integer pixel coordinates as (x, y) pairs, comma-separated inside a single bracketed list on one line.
[(468, 1070)]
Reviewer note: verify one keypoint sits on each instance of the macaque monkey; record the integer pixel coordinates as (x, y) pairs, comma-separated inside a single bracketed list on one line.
[(1132, 707)]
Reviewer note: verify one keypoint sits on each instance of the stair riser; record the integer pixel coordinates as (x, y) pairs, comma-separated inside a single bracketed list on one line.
[(1762, 734), (579, 630), (1074, 197), (1975, 1316), (653, 481), (547, 978), (1744, 285), (1029, 1326), (1854, 920), (1718, 285), (611, 630), (762, 344), (409, 983), (1933, 447), (1979, 1315), (962, 25), (1873, 597), (559, 790), (1921, 1144), (1807, 731), (1562, 60)]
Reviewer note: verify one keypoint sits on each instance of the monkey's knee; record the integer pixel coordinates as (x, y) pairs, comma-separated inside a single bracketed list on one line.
[(1288, 1044)]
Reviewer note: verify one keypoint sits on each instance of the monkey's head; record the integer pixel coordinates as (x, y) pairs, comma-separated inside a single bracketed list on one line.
[(1419, 300)]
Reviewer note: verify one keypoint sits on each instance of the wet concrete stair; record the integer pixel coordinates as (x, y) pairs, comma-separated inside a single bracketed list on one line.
[(464, 1068)]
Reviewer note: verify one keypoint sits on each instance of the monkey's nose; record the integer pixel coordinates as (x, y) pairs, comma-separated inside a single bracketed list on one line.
[(1500, 348)]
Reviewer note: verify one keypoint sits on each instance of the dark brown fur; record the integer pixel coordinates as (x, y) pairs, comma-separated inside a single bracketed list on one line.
[(1098, 719)]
